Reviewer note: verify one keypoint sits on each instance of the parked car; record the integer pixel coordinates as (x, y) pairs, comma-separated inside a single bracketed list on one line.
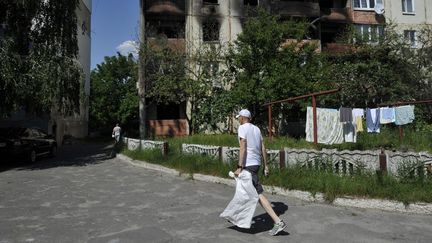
[(27, 143)]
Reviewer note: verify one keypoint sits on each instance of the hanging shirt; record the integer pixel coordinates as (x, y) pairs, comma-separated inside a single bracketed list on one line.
[(241, 208), (359, 124), (387, 115), (372, 120), (329, 127), (404, 114), (345, 114), (358, 114)]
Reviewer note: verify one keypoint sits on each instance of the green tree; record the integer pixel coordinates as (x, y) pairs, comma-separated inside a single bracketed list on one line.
[(174, 76), (270, 61), (113, 93), (38, 53), (389, 70)]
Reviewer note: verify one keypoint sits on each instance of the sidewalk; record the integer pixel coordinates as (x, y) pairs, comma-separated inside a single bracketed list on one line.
[(364, 203)]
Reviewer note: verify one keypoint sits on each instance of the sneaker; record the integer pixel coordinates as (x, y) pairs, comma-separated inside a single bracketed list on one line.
[(278, 227)]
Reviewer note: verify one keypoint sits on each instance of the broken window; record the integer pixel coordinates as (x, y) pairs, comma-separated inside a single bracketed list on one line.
[(167, 29), (250, 2), (211, 30), (210, 1)]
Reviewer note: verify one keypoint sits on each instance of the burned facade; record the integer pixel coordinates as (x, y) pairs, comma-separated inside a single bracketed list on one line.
[(188, 24)]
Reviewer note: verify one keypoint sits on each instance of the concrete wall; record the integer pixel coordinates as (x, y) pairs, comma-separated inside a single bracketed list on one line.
[(422, 14), (227, 13), (77, 125)]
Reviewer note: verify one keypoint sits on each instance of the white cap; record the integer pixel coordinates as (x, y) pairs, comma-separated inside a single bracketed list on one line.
[(244, 113)]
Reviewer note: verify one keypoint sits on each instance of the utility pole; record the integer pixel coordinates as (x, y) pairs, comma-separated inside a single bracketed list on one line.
[(141, 74)]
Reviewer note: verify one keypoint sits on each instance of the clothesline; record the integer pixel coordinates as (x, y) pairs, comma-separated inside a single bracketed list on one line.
[(337, 126)]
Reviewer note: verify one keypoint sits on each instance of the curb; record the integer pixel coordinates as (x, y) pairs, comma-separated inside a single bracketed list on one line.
[(363, 203)]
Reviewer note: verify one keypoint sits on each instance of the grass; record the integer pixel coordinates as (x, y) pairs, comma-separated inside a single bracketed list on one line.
[(331, 185), (363, 185), (388, 139)]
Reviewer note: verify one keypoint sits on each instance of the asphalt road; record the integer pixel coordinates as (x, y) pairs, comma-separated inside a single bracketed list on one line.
[(84, 196)]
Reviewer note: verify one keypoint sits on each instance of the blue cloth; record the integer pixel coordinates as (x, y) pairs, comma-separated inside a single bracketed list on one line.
[(404, 114), (387, 115), (373, 120)]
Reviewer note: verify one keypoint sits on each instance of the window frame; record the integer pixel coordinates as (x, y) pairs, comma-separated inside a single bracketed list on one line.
[(371, 30), (368, 8), (411, 39), (405, 7)]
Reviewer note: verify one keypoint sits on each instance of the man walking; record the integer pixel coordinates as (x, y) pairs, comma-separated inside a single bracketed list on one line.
[(251, 149)]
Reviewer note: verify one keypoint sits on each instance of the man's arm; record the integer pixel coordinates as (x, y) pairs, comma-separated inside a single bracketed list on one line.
[(264, 155), (242, 156)]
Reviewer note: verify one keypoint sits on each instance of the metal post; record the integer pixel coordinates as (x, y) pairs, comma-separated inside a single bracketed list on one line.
[(315, 127), (401, 134)]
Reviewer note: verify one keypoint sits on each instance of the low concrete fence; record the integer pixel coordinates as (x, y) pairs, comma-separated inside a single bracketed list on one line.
[(341, 162), (138, 144)]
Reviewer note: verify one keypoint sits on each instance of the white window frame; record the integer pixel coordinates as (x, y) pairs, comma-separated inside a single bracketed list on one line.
[(367, 7), (411, 37), (368, 29), (405, 7)]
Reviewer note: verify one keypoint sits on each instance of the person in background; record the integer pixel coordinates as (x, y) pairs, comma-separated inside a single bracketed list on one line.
[(116, 133)]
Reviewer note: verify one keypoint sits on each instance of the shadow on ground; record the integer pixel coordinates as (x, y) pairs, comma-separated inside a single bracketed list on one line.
[(264, 222), (80, 154)]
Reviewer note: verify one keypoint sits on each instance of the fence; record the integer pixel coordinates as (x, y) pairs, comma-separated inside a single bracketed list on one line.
[(138, 144), (341, 162)]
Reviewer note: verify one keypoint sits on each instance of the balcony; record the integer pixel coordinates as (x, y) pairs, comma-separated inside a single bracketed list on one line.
[(172, 43), (209, 9), (337, 48), (164, 7), (340, 15), (296, 9)]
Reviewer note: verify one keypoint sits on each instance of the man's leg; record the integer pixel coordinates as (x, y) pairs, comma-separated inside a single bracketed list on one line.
[(279, 225), (268, 208)]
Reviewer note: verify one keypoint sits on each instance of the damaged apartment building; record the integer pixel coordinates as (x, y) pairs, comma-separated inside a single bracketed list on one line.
[(216, 22)]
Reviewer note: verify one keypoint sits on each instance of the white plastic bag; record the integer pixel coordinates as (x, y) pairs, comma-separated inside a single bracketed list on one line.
[(242, 207)]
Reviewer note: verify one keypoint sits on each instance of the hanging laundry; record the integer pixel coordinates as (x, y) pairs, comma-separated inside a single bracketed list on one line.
[(358, 114), (387, 115), (359, 124), (372, 120), (404, 114), (350, 134), (345, 114), (330, 130)]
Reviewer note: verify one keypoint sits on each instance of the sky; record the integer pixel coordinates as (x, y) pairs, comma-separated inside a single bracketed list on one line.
[(115, 28)]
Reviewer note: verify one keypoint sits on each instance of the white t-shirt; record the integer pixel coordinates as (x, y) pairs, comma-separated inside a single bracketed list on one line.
[(116, 131), (253, 137)]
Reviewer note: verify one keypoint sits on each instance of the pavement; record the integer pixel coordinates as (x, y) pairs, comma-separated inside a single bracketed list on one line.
[(83, 195)]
